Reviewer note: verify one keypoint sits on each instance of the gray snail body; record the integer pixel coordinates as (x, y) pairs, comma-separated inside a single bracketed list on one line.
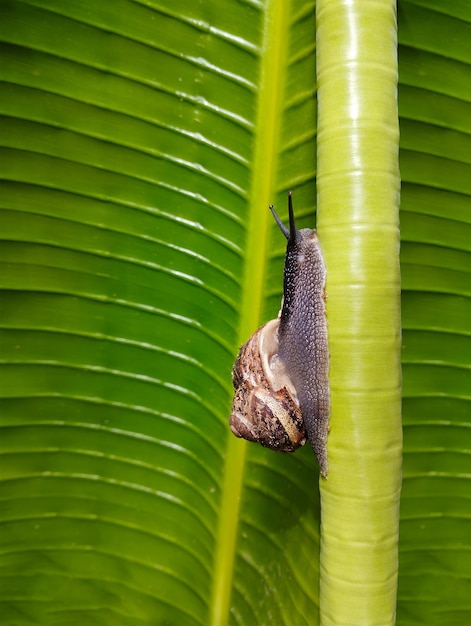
[(280, 376)]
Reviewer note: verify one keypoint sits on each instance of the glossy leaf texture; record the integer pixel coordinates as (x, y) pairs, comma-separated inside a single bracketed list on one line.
[(138, 253), (435, 113), (142, 142)]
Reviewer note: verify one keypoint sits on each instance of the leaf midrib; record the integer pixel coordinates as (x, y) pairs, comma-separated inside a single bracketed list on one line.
[(273, 62)]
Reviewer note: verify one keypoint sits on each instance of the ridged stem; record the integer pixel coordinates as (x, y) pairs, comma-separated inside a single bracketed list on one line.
[(358, 224)]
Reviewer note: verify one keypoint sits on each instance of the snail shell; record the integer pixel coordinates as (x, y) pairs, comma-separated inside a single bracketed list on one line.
[(281, 376), (265, 407)]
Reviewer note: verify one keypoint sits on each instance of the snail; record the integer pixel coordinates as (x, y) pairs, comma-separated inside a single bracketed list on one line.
[(280, 376)]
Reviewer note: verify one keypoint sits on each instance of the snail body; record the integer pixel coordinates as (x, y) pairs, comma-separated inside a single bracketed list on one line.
[(280, 376)]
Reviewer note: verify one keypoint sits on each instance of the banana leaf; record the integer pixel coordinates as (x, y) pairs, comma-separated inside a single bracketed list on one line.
[(141, 144)]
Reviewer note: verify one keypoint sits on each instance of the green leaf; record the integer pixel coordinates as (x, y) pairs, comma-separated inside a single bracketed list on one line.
[(142, 142), (435, 110)]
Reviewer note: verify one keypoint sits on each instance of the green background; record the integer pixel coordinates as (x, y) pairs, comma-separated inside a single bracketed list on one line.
[(134, 152)]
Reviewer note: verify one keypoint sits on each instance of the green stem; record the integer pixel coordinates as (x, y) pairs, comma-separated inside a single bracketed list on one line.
[(358, 216)]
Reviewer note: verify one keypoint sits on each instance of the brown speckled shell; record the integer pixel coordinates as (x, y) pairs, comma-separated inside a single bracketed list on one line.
[(265, 408)]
